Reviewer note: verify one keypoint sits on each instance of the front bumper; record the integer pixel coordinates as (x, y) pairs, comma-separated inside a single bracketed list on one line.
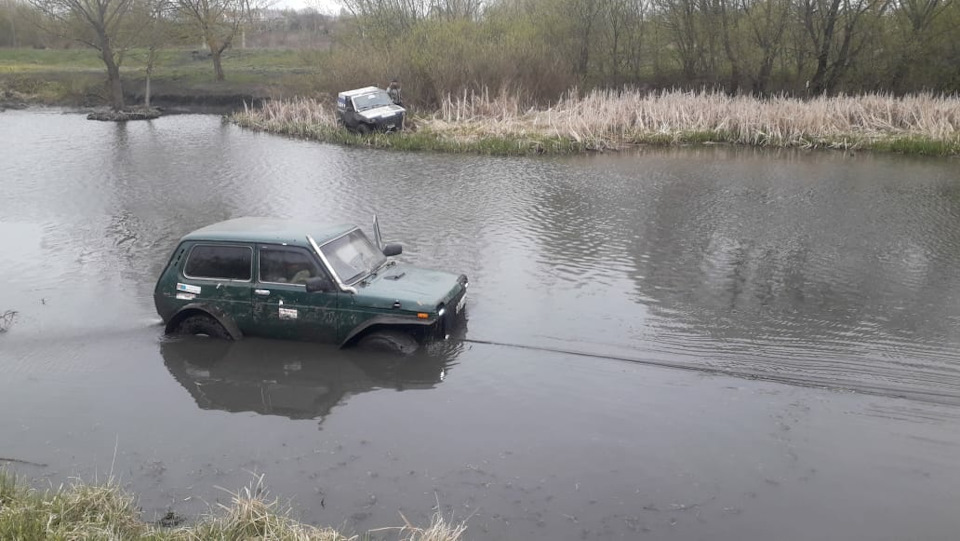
[(455, 312)]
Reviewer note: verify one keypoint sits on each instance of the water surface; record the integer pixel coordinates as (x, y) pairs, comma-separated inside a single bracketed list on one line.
[(687, 343)]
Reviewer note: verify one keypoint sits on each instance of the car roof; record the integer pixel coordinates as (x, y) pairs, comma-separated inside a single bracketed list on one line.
[(268, 230), (359, 91)]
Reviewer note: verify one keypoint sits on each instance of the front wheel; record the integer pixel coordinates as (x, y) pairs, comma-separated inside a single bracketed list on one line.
[(397, 342), (363, 129), (203, 325)]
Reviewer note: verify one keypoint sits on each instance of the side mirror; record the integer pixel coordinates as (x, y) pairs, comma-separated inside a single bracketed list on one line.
[(319, 283), (392, 250)]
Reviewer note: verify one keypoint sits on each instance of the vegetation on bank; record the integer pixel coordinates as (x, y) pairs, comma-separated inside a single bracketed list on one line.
[(802, 48), (83, 511), (604, 120)]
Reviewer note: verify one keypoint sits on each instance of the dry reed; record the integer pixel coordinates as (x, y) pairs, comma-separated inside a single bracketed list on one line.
[(608, 119), (611, 120)]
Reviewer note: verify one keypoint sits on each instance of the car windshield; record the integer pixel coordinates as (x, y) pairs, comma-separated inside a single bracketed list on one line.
[(371, 100), (352, 256)]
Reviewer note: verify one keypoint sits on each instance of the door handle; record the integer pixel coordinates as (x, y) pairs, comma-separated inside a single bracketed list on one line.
[(262, 291)]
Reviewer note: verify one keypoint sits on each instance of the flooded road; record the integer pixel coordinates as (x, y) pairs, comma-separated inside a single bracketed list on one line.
[(692, 343)]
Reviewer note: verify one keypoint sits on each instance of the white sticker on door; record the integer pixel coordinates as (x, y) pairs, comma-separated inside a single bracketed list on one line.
[(189, 288)]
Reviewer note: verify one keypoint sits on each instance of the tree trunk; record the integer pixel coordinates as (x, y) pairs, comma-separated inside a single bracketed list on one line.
[(151, 60), (113, 73), (762, 79), (217, 65)]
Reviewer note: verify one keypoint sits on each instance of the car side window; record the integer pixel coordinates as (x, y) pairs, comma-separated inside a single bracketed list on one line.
[(287, 265), (219, 262)]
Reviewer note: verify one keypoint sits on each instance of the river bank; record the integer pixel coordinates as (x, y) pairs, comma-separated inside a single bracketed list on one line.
[(87, 511), (278, 91), (608, 120)]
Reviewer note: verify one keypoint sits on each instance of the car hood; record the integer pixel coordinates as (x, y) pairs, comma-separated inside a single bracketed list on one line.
[(381, 112), (415, 288)]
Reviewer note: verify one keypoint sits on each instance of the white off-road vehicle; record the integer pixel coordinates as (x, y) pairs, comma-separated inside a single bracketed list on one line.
[(369, 109)]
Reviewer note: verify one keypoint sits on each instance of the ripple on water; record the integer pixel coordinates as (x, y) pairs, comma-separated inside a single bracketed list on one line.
[(804, 267)]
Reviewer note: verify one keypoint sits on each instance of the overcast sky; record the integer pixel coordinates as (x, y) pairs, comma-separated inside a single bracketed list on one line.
[(324, 6)]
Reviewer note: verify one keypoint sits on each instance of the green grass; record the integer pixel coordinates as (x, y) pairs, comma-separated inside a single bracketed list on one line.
[(106, 512), (172, 60), (417, 141), (13, 60), (918, 146), (77, 76)]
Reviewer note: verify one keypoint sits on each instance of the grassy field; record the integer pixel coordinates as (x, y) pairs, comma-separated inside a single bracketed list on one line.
[(480, 123), (77, 76), (179, 62), (83, 511)]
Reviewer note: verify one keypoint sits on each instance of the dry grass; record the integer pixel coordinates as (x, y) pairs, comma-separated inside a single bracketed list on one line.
[(439, 530), (599, 120), (106, 512), (307, 113), (251, 516), (605, 119)]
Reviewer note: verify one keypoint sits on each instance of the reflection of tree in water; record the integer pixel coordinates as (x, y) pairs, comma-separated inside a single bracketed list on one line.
[(846, 282), (827, 269), (836, 264), (293, 379), (143, 202)]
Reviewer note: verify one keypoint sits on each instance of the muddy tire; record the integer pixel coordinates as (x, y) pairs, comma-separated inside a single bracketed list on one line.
[(363, 129), (203, 325), (397, 342)]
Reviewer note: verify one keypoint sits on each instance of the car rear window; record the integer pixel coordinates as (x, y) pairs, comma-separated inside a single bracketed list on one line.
[(221, 262)]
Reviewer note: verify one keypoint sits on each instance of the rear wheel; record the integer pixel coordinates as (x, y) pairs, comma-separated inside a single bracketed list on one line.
[(203, 325), (397, 342)]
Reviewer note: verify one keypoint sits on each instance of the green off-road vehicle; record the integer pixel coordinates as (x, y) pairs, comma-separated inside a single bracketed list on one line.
[(306, 281)]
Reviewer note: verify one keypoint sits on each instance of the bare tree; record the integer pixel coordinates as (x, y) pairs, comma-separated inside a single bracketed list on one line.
[(835, 28), (100, 24), (154, 35), (914, 19), (683, 20), (220, 21), (767, 21)]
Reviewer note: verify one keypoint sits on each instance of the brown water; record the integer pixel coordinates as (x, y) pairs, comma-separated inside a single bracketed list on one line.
[(687, 344)]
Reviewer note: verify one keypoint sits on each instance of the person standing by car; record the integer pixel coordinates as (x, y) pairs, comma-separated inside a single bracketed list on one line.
[(394, 91)]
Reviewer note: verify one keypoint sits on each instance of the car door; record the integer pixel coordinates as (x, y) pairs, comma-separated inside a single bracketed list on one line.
[(218, 276), (282, 307), (353, 114)]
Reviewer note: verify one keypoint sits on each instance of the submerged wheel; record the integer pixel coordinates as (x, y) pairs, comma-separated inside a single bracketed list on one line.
[(203, 325), (397, 342)]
